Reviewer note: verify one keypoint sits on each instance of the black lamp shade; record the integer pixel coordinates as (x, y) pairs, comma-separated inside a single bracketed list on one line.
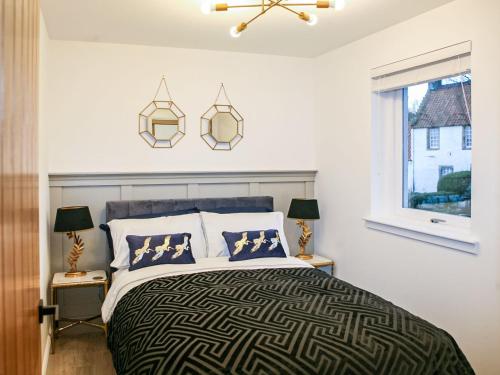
[(70, 219), (304, 209)]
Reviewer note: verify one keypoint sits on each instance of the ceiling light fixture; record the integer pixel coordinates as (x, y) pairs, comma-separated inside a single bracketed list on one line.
[(265, 5), (235, 31)]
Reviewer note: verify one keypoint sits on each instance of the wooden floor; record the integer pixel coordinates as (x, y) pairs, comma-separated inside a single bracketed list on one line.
[(81, 353)]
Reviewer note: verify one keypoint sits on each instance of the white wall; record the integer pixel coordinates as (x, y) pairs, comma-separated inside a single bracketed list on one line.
[(456, 291), (97, 91), (43, 182)]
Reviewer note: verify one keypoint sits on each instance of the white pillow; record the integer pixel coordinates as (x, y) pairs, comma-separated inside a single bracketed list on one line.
[(214, 224), (120, 229)]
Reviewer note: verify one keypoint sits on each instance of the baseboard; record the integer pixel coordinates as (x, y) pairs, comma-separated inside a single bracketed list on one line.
[(46, 355)]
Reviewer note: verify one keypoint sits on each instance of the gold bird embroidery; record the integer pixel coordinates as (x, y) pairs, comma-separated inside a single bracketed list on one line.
[(258, 242), (139, 253), (275, 241), (238, 245), (179, 249), (162, 248)]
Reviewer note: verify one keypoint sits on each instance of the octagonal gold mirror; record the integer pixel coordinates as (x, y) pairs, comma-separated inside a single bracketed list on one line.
[(162, 124), (222, 125)]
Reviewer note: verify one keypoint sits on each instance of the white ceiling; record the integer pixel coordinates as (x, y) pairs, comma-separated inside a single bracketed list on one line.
[(180, 23)]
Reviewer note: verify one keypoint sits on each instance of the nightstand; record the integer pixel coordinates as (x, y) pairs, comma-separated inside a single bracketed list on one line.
[(318, 261), (93, 279)]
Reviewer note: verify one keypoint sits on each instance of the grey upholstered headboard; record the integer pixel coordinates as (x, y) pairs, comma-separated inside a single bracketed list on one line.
[(124, 209)]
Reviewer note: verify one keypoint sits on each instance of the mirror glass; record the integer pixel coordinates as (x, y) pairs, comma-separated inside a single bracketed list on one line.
[(164, 124), (224, 127)]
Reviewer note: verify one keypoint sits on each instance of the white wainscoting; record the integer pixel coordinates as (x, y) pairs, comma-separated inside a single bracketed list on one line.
[(94, 190)]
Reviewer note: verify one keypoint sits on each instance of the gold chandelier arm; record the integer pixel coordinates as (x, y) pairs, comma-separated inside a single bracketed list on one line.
[(295, 5), (264, 11), (286, 7), (302, 4), (246, 6), (270, 3)]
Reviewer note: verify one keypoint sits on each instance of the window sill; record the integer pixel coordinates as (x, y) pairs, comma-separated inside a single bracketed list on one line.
[(438, 234)]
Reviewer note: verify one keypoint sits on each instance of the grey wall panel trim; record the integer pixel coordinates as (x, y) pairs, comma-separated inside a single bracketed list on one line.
[(254, 189), (94, 190), (193, 191), (309, 189), (106, 179), (125, 192)]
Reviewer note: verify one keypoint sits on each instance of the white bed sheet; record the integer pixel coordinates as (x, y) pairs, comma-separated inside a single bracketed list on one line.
[(124, 280)]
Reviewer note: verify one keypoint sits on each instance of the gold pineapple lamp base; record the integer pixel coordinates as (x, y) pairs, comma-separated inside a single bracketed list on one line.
[(303, 240), (304, 256), (75, 273), (76, 251)]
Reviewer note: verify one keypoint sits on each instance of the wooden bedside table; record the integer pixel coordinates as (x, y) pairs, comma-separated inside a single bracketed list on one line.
[(318, 261), (91, 279)]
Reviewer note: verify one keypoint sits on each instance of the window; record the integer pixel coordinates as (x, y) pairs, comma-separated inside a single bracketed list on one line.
[(467, 143), (433, 138), (440, 111), (421, 147), (445, 169)]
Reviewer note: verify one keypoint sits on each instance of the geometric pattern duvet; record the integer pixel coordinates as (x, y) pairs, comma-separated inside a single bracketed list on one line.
[(272, 321)]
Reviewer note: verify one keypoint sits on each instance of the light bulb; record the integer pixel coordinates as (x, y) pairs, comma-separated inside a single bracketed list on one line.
[(313, 20), (234, 32), (207, 7), (339, 4)]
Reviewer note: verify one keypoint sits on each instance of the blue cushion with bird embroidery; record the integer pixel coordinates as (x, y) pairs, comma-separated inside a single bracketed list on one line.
[(254, 244), (146, 251)]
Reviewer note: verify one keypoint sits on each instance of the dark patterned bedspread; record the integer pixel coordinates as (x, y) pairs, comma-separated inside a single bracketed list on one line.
[(272, 321)]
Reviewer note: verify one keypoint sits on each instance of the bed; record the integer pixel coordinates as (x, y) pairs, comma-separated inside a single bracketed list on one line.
[(260, 316)]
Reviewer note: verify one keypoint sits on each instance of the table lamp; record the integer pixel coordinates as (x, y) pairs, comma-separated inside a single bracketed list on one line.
[(304, 209), (70, 220)]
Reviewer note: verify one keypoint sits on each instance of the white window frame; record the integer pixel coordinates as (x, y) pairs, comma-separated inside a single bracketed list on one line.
[(389, 187), (444, 167), (467, 145), (435, 137)]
